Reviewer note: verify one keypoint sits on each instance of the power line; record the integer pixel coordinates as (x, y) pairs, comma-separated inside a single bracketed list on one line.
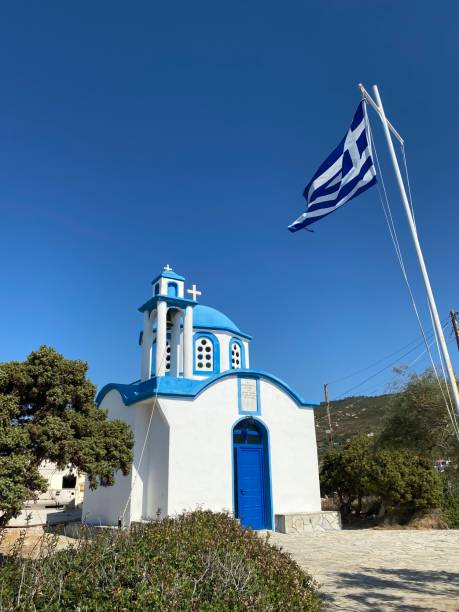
[(418, 341), (393, 363), (340, 397), (386, 367)]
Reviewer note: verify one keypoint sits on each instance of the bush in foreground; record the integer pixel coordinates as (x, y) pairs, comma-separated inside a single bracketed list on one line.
[(196, 561)]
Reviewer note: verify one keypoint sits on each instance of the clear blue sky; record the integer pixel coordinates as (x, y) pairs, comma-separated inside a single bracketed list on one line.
[(138, 134)]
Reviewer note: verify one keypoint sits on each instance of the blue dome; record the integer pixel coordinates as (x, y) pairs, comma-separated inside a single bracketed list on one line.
[(209, 318)]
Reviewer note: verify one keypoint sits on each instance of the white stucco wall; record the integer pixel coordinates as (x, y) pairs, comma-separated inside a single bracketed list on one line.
[(156, 468), (200, 454), (293, 448), (105, 504)]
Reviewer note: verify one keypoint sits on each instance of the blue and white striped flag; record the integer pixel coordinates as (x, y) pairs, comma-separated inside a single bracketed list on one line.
[(345, 174)]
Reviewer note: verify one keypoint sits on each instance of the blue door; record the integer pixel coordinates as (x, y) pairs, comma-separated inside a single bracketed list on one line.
[(250, 489)]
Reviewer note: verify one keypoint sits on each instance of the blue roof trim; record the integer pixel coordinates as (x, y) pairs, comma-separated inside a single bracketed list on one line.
[(165, 274), (168, 386), (173, 301)]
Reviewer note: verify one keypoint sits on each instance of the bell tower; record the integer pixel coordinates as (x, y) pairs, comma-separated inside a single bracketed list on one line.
[(168, 310)]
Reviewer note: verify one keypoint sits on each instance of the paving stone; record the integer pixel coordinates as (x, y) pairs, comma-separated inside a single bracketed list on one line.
[(379, 570)]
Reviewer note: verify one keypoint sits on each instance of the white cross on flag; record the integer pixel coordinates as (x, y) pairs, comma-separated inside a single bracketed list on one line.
[(345, 174)]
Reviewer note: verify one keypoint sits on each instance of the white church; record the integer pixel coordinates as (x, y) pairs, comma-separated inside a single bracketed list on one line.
[(210, 431)]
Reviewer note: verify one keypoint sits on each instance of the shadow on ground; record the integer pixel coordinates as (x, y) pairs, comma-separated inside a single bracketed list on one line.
[(379, 589)]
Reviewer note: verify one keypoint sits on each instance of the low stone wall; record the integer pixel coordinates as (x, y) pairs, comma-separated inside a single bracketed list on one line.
[(308, 521), (74, 530), (40, 514)]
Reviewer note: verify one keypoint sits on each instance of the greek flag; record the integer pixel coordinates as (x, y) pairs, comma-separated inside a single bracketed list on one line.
[(345, 174)]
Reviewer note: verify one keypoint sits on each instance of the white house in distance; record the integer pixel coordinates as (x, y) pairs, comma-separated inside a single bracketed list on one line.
[(210, 431), (60, 503)]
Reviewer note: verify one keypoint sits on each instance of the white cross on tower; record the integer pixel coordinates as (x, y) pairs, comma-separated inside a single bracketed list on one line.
[(194, 292), (167, 268)]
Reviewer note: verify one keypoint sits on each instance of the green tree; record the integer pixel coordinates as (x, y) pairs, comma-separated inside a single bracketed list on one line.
[(19, 474), (348, 472), (418, 419), (404, 480), (398, 479), (47, 412)]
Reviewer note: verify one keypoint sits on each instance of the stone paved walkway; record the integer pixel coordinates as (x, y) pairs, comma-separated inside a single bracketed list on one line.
[(380, 570)]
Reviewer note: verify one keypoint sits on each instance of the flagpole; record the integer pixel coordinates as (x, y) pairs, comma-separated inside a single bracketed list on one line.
[(417, 246)]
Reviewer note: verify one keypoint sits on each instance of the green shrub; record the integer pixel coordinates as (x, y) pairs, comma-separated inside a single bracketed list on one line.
[(406, 481), (451, 509), (348, 473), (196, 561), (399, 479)]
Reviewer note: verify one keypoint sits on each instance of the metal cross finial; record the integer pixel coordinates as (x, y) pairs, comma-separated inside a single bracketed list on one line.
[(194, 292), (167, 268)]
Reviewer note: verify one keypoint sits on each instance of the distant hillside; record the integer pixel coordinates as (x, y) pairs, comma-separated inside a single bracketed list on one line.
[(351, 416)]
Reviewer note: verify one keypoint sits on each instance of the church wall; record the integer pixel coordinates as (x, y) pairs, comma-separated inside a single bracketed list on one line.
[(105, 504), (201, 468), (157, 482), (294, 467), (201, 449), (247, 353), (224, 340)]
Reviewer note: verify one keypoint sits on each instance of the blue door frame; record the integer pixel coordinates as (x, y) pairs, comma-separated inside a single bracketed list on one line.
[(251, 475)]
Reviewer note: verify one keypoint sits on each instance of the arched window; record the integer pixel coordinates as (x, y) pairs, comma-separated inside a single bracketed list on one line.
[(206, 354), (236, 356), (247, 432), (157, 289), (172, 289)]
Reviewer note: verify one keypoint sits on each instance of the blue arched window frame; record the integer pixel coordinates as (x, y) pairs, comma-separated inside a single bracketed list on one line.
[(234, 340), (264, 432), (172, 289), (216, 353)]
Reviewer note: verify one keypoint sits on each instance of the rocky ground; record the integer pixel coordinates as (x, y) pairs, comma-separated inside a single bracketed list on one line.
[(31, 542)]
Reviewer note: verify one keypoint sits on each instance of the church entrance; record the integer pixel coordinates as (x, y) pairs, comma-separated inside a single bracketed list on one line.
[(252, 491)]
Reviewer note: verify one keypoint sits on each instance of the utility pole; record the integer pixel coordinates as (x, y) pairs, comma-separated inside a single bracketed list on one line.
[(330, 428), (455, 325)]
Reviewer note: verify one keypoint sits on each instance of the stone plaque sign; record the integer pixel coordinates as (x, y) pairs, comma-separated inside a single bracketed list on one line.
[(248, 401)]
